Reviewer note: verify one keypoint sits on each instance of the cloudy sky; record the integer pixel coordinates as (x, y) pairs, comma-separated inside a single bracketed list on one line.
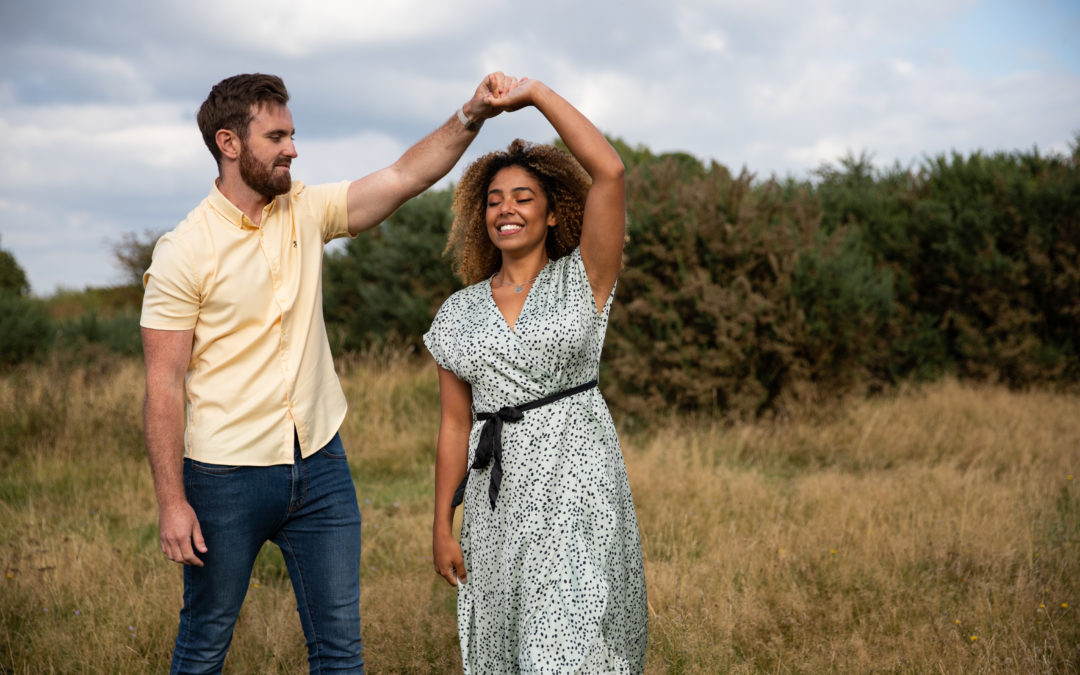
[(98, 99)]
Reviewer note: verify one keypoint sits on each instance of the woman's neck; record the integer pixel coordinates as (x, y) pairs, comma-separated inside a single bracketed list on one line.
[(521, 269)]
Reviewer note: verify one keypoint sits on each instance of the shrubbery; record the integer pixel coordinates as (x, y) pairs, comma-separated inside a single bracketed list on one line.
[(27, 332), (388, 283), (742, 295)]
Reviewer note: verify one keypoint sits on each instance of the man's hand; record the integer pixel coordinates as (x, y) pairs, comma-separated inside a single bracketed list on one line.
[(521, 93), (180, 530), (493, 87)]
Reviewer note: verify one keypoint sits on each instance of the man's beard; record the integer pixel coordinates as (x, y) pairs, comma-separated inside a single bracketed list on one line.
[(261, 178)]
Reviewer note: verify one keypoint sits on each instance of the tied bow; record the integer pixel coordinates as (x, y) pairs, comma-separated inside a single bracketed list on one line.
[(489, 451), (489, 447)]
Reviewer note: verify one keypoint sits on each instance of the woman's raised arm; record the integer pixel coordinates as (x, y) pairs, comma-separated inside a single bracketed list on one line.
[(604, 226)]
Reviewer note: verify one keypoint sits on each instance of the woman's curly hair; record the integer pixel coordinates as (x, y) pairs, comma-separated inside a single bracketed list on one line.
[(564, 183)]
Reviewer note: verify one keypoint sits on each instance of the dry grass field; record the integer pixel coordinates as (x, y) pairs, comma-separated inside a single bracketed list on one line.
[(933, 530)]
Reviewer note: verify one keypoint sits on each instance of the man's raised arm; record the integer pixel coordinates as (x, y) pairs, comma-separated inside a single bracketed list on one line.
[(373, 198)]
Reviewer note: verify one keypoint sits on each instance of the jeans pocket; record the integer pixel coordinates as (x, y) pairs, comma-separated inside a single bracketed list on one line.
[(334, 449), (334, 453), (212, 469)]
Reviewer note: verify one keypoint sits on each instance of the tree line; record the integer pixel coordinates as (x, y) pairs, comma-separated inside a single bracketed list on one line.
[(744, 296)]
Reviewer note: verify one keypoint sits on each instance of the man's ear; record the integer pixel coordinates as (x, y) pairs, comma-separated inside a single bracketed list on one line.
[(228, 143)]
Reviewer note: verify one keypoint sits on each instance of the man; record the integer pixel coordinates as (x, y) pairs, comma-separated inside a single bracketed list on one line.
[(233, 332)]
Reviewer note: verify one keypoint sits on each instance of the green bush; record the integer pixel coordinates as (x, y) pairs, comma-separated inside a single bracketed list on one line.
[(27, 332), (739, 296), (849, 305), (119, 333), (12, 276), (704, 318), (984, 253), (388, 283)]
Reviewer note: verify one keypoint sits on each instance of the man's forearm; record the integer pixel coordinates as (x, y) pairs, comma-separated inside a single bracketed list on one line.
[(163, 421), (433, 156), (373, 198)]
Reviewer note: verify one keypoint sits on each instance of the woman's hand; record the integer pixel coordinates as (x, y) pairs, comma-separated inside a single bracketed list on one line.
[(521, 93), (492, 88), (449, 561)]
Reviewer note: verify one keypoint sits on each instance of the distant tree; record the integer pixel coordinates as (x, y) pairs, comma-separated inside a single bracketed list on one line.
[(133, 254), (27, 328), (12, 276)]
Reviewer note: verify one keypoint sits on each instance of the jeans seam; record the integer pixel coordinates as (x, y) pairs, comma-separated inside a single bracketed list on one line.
[(304, 482), (179, 664), (314, 660)]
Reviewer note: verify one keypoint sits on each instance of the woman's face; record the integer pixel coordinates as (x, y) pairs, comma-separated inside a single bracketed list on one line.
[(517, 214)]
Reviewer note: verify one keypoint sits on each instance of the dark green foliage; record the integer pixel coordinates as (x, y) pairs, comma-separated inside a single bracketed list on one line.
[(388, 283), (117, 333), (12, 276), (984, 252), (739, 296), (704, 317), (848, 303), (27, 330)]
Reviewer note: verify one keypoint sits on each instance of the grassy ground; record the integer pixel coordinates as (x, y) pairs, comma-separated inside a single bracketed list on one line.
[(934, 530)]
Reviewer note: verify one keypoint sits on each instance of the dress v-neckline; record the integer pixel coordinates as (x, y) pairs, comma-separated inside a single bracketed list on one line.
[(506, 322), (512, 327)]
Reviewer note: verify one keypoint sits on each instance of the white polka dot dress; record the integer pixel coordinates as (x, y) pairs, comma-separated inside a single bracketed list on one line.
[(555, 576)]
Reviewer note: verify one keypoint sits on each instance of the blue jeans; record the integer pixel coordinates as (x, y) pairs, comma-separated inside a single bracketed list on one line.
[(309, 510)]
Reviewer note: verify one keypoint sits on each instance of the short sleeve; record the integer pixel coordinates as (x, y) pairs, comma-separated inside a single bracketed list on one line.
[(327, 204), (171, 300), (438, 337), (577, 281)]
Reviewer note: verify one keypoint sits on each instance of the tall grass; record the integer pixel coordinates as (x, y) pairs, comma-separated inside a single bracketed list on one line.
[(933, 530)]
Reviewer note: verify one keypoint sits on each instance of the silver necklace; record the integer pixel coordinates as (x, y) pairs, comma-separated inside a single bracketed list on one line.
[(518, 288)]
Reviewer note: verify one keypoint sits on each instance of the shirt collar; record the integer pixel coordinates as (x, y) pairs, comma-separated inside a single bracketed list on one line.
[(233, 214)]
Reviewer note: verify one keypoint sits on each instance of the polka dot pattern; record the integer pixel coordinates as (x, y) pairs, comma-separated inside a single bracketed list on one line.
[(555, 576)]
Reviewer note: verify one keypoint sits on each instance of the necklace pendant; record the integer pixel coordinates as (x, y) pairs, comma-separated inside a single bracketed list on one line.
[(519, 288)]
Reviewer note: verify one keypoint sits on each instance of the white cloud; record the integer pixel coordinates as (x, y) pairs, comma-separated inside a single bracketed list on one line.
[(346, 158), (80, 148), (295, 29), (97, 104)]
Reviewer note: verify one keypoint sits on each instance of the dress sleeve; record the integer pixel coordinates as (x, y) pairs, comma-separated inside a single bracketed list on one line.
[(437, 339), (577, 283)]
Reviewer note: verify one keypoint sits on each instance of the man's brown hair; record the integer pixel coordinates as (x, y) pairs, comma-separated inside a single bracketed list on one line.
[(232, 103)]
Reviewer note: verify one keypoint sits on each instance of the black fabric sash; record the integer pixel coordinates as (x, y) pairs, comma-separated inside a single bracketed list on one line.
[(489, 447)]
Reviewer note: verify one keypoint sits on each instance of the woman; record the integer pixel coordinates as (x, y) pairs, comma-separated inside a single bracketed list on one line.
[(549, 569)]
